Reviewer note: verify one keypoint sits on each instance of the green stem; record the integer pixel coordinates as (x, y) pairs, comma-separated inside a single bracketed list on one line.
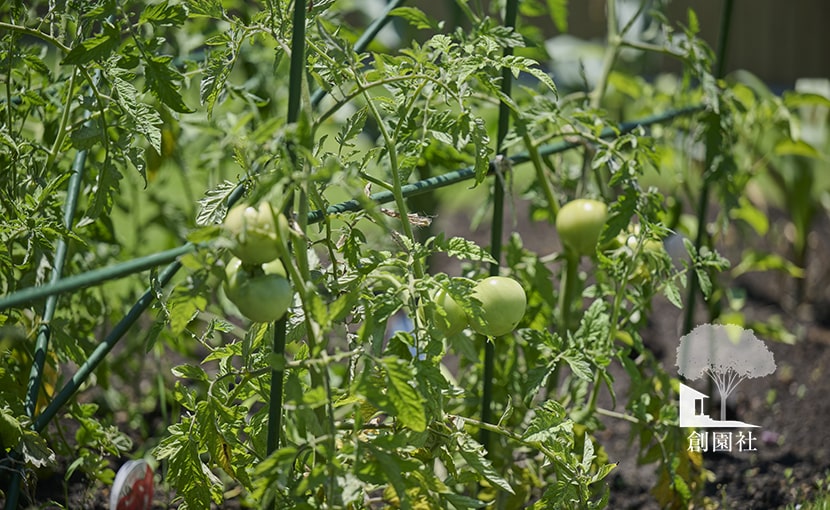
[(95, 277), (277, 377), (103, 349), (550, 454), (568, 288), (61, 136), (44, 331), (611, 51), (297, 67), (497, 229), (397, 185), (37, 34), (712, 148)]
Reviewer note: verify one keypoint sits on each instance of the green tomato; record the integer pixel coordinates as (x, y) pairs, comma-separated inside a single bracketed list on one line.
[(455, 321), (580, 223), (259, 295), (253, 232), (503, 304)]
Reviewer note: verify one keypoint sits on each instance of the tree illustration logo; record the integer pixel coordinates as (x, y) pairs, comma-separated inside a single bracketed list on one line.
[(726, 353)]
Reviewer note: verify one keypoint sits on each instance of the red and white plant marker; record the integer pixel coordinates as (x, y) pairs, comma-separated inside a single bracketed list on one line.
[(133, 487)]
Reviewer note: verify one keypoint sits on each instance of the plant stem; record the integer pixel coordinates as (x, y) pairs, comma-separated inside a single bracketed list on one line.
[(397, 185), (297, 69), (568, 288), (611, 51), (497, 229), (712, 146)]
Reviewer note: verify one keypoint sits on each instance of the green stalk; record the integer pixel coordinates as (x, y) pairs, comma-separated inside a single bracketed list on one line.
[(568, 288), (397, 185), (297, 68), (511, 10), (712, 147), (611, 51), (44, 331), (103, 349), (94, 277)]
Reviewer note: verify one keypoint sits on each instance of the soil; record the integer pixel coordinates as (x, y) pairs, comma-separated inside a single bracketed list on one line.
[(790, 406)]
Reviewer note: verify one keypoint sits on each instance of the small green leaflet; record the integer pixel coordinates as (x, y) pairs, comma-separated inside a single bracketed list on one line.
[(94, 48), (548, 422), (164, 14), (407, 401), (216, 73), (473, 453), (212, 207), (162, 80)]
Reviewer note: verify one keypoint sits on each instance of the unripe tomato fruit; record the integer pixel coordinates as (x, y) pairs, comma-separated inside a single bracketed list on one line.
[(580, 224), (253, 232), (503, 304), (456, 319), (262, 294)]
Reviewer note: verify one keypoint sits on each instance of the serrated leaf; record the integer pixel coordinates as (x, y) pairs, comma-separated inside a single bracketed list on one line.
[(34, 450), (164, 14), (416, 17), (407, 401), (463, 249), (106, 187), (163, 81), (459, 501), (10, 429), (481, 141), (211, 8), (185, 469), (184, 304), (547, 422), (213, 206), (146, 120), (216, 73), (508, 411), (187, 371), (602, 472), (580, 367), (351, 128), (392, 467), (704, 281), (94, 48), (672, 293), (473, 453), (85, 136)]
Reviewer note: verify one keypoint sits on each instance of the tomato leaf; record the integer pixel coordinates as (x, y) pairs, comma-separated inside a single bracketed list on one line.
[(403, 395), (473, 453), (94, 48), (163, 81)]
